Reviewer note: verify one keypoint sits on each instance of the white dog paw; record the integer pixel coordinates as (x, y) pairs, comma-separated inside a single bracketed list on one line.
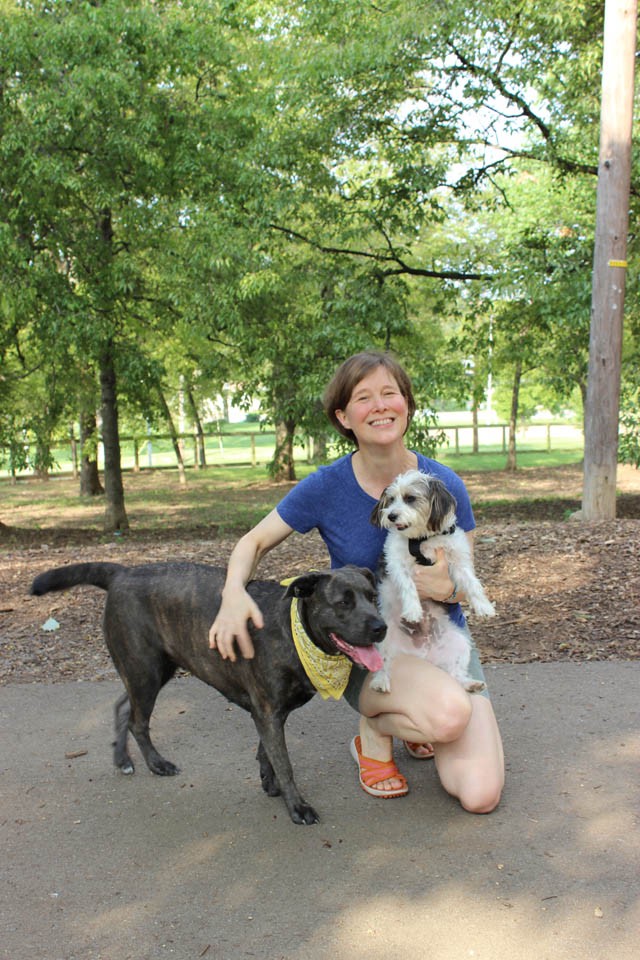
[(412, 612), (484, 608), (381, 682), (475, 686)]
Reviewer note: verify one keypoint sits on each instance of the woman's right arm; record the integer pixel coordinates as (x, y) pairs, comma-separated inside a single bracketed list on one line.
[(237, 607)]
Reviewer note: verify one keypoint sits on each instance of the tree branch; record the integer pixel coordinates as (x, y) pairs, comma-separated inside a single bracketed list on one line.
[(401, 268), (565, 164), (510, 95)]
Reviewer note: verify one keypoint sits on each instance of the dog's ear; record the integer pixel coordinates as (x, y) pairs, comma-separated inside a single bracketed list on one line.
[(305, 585), (370, 575), (443, 504), (376, 513)]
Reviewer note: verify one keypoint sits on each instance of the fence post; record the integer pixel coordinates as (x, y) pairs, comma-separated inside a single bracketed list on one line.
[(253, 450)]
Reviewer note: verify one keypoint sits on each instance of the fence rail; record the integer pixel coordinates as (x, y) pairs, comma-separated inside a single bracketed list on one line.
[(252, 447), (551, 435)]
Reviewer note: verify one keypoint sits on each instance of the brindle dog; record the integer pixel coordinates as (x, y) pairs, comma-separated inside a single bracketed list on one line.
[(157, 618)]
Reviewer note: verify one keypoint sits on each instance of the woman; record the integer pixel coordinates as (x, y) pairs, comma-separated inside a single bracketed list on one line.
[(370, 401)]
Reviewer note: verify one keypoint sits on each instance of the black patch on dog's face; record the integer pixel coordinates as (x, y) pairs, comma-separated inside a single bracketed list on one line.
[(443, 504), (381, 505)]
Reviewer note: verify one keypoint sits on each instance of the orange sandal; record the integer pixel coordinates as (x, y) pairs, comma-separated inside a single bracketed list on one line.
[(419, 751), (372, 772)]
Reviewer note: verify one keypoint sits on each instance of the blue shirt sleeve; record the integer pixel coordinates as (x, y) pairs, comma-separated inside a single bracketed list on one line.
[(332, 501), (301, 508)]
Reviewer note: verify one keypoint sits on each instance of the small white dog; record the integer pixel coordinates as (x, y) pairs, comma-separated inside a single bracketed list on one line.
[(419, 513)]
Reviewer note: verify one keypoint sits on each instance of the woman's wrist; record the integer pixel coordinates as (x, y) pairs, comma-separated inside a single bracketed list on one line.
[(453, 596)]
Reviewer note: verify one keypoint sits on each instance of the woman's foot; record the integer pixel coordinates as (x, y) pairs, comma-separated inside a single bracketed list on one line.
[(378, 778), (419, 751), (379, 748)]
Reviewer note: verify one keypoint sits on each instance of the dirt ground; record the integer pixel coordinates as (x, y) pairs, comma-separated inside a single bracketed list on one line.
[(564, 589)]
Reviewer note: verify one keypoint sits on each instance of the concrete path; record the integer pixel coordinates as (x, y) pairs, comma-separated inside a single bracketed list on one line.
[(99, 866)]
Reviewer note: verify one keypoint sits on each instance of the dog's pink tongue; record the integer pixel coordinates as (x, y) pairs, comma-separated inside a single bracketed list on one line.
[(367, 657)]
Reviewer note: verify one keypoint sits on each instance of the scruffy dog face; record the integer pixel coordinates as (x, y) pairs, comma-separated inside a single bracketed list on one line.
[(415, 504)]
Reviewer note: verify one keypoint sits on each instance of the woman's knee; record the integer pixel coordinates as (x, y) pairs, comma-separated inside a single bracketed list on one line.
[(481, 796), (447, 716)]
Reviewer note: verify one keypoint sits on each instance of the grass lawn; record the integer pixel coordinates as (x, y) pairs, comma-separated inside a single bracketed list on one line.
[(230, 498)]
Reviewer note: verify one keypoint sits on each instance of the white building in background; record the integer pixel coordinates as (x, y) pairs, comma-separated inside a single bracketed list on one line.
[(222, 407)]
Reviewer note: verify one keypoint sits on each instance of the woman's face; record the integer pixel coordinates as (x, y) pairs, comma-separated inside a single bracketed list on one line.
[(377, 412)]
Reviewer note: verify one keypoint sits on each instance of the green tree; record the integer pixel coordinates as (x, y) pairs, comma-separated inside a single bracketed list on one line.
[(108, 115), (246, 192)]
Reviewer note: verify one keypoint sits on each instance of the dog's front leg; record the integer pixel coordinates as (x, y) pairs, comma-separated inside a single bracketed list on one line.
[(389, 607), (469, 585), (464, 575), (400, 566), (381, 679), (273, 746), (267, 774)]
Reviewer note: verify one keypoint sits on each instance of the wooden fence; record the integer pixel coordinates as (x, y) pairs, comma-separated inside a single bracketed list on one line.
[(252, 447)]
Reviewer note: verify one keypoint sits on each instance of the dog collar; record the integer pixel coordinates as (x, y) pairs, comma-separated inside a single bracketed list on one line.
[(329, 673), (415, 542)]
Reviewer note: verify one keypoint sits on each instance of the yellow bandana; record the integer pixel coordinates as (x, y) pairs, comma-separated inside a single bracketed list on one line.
[(328, 673)]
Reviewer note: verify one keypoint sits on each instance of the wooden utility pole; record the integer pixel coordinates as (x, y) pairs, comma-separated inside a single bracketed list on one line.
[(609, 262)]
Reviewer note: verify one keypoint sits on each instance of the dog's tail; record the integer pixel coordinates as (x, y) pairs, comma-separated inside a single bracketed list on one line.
[(61, 578)]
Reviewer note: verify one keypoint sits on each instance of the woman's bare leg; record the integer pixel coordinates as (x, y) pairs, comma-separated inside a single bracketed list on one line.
[(426, 705), (472, 767)]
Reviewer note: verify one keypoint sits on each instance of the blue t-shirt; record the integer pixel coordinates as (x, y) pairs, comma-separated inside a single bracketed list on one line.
[(332, 500)]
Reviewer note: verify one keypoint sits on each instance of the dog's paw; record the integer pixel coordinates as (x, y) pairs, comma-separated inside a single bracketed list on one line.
[(303, 813), (412, 612), (162, 767), (270, 784), (484, 608), (381, 682), (475, 686)]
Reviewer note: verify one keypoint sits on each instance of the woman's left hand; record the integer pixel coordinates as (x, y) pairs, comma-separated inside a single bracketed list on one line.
[(434, 582)]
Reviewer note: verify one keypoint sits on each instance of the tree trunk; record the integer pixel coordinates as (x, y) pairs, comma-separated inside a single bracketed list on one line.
[(583, 396), (282, 467), (609, 262), (320, 448), (73, 443), (43, 458), (201, 458), (173, 432), (475, 427), (90, 485), (115, 517), (513, 418)]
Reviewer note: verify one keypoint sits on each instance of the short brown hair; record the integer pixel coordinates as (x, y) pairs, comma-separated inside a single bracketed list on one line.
[(348, 376)]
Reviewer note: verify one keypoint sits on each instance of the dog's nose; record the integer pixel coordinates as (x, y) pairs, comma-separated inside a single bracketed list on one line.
[(378, 630), (392, 517)]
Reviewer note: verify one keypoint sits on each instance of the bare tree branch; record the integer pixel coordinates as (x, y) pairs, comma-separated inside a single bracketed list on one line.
[(565, 164), (498, 83), (392, 258)]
